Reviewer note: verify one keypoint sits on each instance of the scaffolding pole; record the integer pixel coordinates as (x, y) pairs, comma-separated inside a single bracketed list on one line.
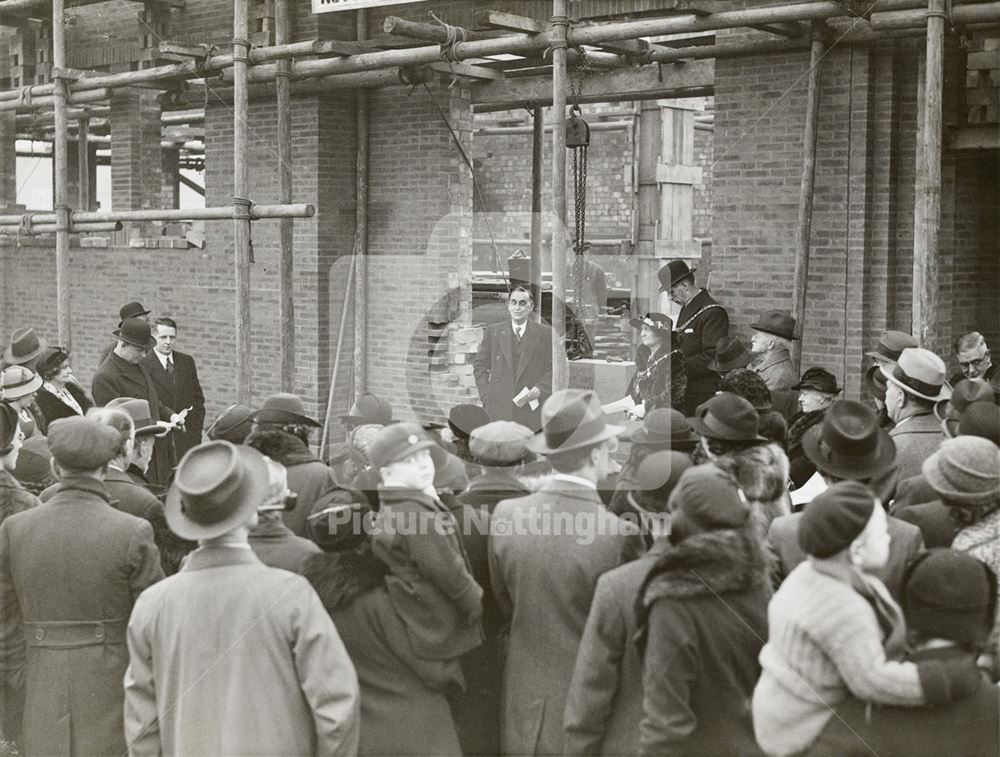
[(241, 201), (361, 231), (60, 204), (559, 34), (537, 148), (83, 163), (286, 259)]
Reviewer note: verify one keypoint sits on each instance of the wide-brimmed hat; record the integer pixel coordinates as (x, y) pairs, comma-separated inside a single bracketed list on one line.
[(572, 419), (8, 427), (820, 380), (398, 441), (981, 419), (284, 408), (142, 418), (891, 345), (776, 323), (500, 443), (964, 470), (664, 427), (672, 272), (369, 408), (849, 443), (950, 595), (658, 322), (18, 381), (730, 354), (136, 332), (132, 310), (216, 488), (464, 419), (656, 478), (233, 424), (25, 345), (729, 417), (919, 372), (83, 444), (963, 394)]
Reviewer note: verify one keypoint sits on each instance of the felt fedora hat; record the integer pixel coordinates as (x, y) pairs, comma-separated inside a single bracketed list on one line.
[(284, 408), (891, 345), (233, 424), (672, 272), (875, 381), (919, 372), (369, 408), (132, 310), (25, 345), (730, 354), (142, 419), (729, 417), (136, 332), (664, 427), (18, 381), (216, 487), (658, 322), (849, 443), (572, 419), (776, 323)]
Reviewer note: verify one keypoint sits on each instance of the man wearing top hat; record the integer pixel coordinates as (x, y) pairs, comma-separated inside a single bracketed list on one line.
[(546, 552), (230, 656), (701, 324), (772, 344), (123, 374), (70, 571)]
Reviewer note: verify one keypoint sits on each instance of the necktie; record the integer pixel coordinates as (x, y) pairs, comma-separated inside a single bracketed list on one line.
[(170, 366)]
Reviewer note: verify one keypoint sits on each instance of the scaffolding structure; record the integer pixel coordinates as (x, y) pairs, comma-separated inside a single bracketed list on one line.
[(318, 65)]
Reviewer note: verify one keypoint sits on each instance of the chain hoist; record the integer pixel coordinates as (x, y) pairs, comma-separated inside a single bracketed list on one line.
[(578, 140)]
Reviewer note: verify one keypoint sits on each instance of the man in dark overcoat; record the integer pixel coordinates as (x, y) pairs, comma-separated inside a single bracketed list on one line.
[(176, 379), (514, 356), (70, 571), (701, 323), (123, 374)]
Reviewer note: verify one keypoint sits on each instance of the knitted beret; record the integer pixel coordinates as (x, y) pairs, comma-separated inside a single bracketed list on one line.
[(950, 595), (835, 518)]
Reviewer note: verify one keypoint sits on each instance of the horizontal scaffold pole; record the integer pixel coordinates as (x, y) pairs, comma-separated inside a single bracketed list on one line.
[(223, 213)]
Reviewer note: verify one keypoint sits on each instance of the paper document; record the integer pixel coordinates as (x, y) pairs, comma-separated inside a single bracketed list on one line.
[(522, 399), (625, 404), (809, 490)]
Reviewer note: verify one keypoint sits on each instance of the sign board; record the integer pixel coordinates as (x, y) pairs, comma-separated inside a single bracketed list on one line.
[(329, 6)]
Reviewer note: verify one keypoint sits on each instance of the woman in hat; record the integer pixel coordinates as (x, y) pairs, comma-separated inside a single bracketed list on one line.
[(18, 386), (59, 396), (661, 381), (13, 497), (817, 391)]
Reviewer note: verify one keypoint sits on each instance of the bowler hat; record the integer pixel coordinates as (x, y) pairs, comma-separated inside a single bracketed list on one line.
[(658, 322), (132, 310), (51, 359), (981, 419), (18, 381), (135, 331), (835, 518), (919, 372), (664, 427), (963, 394), (398, 441), (142, 419), (369, 408), (337, 522), (8, 427), (673, 272), (232, 425), (500, 443), (849, 443), (464, 419), (820, 380), (656, 479), (25, 345), (729, 417), (82, 444), (776, 323), (730, 354), (891, 345), (284, 408), (710, 498), (572, 419), (216, 488), (964, 471), (950, 595)]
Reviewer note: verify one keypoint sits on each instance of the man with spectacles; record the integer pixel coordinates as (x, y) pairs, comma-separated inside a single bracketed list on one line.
[(513, 367), (975, 360)]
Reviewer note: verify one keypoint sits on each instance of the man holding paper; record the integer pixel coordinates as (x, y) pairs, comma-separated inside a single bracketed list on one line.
[(513, 367)]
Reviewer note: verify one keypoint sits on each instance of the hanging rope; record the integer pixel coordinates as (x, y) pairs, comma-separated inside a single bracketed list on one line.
[(455, 34)]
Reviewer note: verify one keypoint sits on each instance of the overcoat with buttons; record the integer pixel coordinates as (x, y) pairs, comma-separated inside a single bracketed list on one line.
[(71, 570), (701, 324), (502, 368)]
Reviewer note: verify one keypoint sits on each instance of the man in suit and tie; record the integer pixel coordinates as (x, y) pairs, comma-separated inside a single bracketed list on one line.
[(123, 374), (515, 360), (176, 379)]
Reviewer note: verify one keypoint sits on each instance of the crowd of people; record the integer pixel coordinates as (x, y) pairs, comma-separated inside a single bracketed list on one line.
[(733, 560)]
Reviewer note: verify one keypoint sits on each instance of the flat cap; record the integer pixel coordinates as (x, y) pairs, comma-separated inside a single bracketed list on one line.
[(78, 443)]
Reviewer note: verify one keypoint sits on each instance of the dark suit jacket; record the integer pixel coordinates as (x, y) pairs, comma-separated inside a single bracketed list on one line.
[(54, 408), (697, 341), (934, 523), (501, 374), (119, 378), (179, 392), (782, 547)]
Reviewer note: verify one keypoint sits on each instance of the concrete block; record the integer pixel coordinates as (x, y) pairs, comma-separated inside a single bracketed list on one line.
[(94, 242)]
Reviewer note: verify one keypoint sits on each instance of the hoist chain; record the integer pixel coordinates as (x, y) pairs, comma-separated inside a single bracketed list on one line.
[(578, 344)]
